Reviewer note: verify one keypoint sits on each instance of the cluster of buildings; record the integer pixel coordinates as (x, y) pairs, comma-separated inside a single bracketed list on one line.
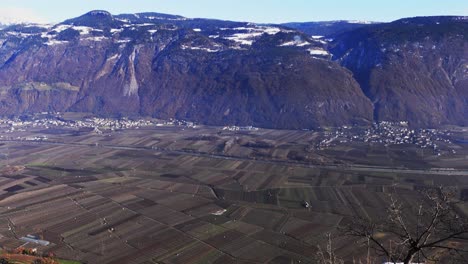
[(17, 125), (99, 125), (387, 133), (240, 128)]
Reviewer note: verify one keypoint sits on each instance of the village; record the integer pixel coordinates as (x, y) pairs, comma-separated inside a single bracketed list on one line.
[(98, 124), (387, 133)]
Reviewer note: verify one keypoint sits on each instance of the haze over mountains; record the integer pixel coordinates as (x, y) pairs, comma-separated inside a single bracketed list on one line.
[(236, 73)]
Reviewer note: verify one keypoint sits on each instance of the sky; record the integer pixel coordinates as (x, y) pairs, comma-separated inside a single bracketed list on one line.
[(261, 11)]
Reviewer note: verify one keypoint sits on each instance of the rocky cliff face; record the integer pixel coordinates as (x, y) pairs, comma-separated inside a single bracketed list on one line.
[(412, 69), (209, 71), (220, 73)]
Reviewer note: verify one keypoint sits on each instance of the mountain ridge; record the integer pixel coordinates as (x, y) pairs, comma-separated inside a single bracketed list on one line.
[(211, 71)]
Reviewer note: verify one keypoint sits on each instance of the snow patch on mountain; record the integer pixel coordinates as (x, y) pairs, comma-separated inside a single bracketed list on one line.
[(249, 34), (52, 42), (318, 51), (211, 50), (360, 22), (297, 42)]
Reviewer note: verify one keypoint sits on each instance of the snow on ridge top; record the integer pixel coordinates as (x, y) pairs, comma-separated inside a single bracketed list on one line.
[(461, 18), (360, 22), (99, 13), (248, 37), (175, 18), (317, 37)]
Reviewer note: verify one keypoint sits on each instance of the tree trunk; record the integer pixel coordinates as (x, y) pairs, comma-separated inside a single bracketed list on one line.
[(410, 255)]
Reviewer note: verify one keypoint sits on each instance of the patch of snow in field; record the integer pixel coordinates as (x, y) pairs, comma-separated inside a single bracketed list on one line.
[(123, 20), (97, 39), (318, 51), (123, 40), (219, 212), (317, 37), (262, 29), (53, 42), (271, 30), (144, 25), (197, 29), (237, 28), (297, 43), (45, 35), (19, 34), (244, 38), (248, 37), (116, 30), (152, 31), (82, 29), (184, 47), (61, 28)]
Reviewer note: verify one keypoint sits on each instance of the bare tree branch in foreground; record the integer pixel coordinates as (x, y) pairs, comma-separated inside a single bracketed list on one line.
[(328, 256), (419, 233)]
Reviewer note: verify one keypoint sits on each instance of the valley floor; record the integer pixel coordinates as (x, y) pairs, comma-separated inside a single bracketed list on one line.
[(178, 194)]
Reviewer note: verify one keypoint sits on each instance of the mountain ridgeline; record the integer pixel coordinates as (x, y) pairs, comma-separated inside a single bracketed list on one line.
[(235, 73)]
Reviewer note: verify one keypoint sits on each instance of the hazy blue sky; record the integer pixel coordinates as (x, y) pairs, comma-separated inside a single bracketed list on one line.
[(242, 10)]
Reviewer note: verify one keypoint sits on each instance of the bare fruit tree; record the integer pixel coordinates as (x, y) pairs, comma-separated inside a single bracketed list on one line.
[(415, 233), (328, 255)]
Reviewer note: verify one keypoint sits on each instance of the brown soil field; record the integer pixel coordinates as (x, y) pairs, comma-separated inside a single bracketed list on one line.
[(172, 195)]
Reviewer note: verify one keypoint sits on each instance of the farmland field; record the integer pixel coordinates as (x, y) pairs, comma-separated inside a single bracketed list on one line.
[(204, 195)]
